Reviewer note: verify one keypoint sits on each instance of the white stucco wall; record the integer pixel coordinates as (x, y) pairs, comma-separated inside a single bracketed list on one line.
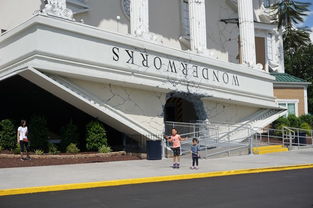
[(15, 12), (103, 14), (219, 112), (142, 106)]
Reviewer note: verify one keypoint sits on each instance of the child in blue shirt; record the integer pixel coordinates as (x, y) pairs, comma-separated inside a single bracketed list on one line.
[(195, 148)]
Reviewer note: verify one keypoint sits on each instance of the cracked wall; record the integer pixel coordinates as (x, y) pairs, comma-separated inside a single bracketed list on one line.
[(220, 112), (142, 106)]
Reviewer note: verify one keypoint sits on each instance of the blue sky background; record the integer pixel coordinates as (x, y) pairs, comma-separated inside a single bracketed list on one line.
[(309, 19)]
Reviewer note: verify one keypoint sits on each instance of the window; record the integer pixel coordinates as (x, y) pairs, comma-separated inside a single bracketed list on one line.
[(269, 44), (126, 7), (291, 105), (185, 18), (267, 3)]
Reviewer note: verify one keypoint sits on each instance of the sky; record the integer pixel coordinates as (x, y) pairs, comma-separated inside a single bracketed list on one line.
[(309, 19)]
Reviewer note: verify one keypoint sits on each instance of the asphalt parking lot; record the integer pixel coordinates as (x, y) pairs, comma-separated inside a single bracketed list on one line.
[(274, 189)]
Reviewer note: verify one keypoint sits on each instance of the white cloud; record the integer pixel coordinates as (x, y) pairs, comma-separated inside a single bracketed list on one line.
[(311, 35)]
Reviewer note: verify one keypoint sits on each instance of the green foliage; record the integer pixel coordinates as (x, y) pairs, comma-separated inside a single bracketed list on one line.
[(39, 152), (1, 148), (52, 148), (307, 128), (290, 12), (69, 134), (16, 150), (7, 134), (300, 64), (38, 132), (104, 149), (294, 121), (96, 136), (307, 119), (72, 148), (298, 48), (280, 123)]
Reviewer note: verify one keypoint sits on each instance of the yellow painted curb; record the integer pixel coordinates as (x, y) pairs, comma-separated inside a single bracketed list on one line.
[(28, 190)]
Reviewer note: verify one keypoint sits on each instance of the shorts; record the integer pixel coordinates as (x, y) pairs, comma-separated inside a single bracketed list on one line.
[(176, 151), (23, 146)]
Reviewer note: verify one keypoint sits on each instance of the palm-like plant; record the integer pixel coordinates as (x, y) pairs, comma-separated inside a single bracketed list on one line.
[(289, 12)]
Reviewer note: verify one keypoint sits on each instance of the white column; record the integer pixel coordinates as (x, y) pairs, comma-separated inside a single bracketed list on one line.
[(139, 17), (197, 18), (247, 36)]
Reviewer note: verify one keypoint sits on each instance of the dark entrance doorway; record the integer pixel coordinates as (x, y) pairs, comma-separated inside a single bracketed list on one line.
[(20, 99), (180, 110)]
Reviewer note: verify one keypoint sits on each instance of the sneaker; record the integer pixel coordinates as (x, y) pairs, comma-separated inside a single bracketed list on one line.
[(28, 158), (174, 165), (22, 159), (192, 167), (197, 168), (177, 165)]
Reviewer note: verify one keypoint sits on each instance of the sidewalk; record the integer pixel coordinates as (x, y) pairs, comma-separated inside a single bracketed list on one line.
[(93, 172)]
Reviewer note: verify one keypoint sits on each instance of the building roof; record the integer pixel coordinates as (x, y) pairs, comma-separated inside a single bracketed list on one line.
[(287, 78)]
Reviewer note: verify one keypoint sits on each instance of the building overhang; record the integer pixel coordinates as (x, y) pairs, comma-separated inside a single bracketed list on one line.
[(71, 49), (291, 84)]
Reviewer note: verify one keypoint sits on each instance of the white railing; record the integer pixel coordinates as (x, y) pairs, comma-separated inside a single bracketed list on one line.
[(211, 143)]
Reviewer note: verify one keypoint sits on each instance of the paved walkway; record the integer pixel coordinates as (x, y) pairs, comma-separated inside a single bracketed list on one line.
[(64, 174)]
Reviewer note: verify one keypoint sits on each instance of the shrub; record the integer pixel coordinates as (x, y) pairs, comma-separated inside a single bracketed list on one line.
[(294, 121), (53, 149), (39, 152), (38, 133), (104, 149), (72, 148), (307, 128), (1, 148), (16, 150), (96, 136), (7, 134), (69, 135), (307, 119)]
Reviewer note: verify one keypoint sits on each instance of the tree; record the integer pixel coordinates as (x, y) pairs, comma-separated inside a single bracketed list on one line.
[(38, 133), (69, 134), (288, 14), (7, 134), (300, 64), (96, 136), (298, 48)]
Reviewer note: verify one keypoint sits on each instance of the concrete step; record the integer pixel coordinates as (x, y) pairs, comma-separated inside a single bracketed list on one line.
[(269, 149)]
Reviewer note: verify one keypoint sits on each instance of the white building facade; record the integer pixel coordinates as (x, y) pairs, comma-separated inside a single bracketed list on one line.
[(135, 64)]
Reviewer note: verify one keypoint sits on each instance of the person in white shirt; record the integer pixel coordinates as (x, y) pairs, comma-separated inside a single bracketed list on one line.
[(22, 139)]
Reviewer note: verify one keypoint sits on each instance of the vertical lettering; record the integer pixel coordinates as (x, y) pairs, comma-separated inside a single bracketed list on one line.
[(195, 71), (184, 68), (144, 60), (157, 62), (116, 51), (172, 66), (205, 73), (216, 76), (235, 80), (131, 56), (225, 78)]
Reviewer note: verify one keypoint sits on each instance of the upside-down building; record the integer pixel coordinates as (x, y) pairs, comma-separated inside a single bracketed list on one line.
[(135, 64)]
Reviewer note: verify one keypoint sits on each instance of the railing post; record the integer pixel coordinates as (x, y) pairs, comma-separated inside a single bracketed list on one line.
[(290, 141), (268, 137), (251, 143)]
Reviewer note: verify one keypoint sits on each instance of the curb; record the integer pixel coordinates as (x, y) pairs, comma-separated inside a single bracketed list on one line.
[(75, 186)]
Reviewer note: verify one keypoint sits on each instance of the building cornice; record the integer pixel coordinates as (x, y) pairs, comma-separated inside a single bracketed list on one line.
[(132, 41)]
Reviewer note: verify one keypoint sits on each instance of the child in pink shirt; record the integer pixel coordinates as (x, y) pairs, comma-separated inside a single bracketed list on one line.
[(175, 139)]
